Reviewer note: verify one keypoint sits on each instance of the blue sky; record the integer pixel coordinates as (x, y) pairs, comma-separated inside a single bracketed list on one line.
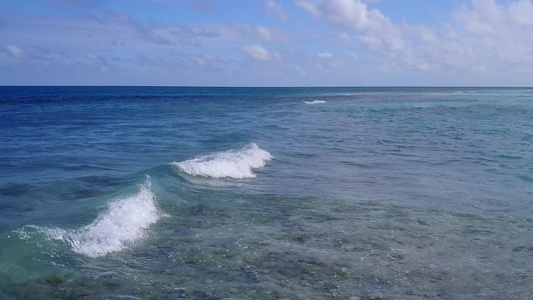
[(267, 42)]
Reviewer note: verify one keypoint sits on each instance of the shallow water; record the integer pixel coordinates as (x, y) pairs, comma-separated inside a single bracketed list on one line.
[(264, 193)]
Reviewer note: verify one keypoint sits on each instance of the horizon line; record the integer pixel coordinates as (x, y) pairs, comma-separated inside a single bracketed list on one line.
[(235, 86)]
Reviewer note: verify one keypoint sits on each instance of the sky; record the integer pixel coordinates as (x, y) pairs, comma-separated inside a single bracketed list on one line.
[(267, 42)]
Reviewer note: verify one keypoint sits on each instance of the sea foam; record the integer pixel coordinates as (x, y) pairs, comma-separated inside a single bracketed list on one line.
[(124, 221), (315, 102), (235, 163)]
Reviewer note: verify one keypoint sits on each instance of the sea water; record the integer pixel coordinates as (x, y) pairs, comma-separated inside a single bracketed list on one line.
[(266, 193)]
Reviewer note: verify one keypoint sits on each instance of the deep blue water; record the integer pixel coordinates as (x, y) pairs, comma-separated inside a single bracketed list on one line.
[(264, 193)]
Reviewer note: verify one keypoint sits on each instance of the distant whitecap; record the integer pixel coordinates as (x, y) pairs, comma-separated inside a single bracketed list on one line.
[(315, 102)]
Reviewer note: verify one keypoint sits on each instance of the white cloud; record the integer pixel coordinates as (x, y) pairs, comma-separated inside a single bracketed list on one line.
[(371, 43), (93, 57), (272, 6), (522, 12), (352, 55), (482, 39), (389, 45), (207, 60), (324, 55), (345, 38), (347, 14), (148, 32), (496, 34), (257, 52), (264, 33), (479, 18), (13, 51), (99, 62), (260, 33), (378, 33), (422, 33), (203, 60)]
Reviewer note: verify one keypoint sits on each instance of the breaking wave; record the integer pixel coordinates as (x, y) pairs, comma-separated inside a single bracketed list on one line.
[(235, 163), (123, 222)]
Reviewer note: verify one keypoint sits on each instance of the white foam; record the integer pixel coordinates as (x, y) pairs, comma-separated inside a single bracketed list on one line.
[(315, 102), (123, 222), (237, 163)]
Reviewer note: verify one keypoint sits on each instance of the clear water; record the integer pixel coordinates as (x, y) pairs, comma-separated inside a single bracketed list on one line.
[(266, 193)]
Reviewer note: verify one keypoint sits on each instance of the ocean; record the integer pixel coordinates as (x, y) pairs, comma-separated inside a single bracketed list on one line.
[(266, 193)]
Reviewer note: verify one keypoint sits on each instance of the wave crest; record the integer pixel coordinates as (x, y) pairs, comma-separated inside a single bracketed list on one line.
[(315, 102), (124, 221), (235, 163)]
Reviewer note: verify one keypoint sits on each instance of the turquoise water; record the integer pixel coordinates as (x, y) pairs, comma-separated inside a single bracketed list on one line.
[(266, 193)]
